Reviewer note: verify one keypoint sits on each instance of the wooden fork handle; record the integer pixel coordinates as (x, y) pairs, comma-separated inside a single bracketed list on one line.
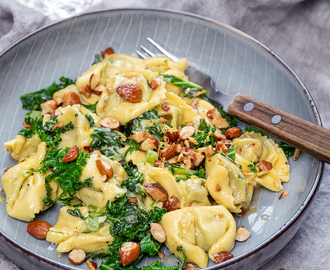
[(306, 136)]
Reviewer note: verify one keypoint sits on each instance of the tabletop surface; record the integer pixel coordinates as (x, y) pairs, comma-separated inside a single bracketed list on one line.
[(297, 30)]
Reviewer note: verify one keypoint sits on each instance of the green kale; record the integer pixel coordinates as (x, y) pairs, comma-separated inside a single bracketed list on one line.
[(66, 174), (76, 213), (148, 122), (107, 141), (204, 135), (287, 149), (149, 245), (98, 58), (91, 107), (90, 120), (32, 101), (135, 178), (189, 87), (252, 167), (46, 132), (184, 171)]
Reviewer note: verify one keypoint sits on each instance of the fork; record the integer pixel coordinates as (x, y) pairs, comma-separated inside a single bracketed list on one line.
[(301, 134)]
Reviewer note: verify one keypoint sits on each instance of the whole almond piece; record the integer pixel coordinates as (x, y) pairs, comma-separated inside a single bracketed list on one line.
[(158, 232), (129, 252), (91, 265), (104, 168), (130, 92), (71, 155), (77, 256), (233, 133), (38, 229), (149, 144), (94, 81), (86, 91), (171, 204), (110, 122), (265, 165), (71, 98), (108, 51), (139, 137), (156, 192)]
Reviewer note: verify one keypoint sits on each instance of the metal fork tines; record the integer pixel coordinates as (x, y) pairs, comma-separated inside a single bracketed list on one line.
[(160, 48)]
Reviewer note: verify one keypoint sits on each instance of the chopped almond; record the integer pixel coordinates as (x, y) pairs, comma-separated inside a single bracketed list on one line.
[(110, 122), (77, 256), (99, 89), (139, 137), (220, 123), (213, 113), (283, 195), (86, 91), (48, 107), (149, 144), (186, 132), (94, 81), (265, 165), (242, 234), (156, 192), (71, 98)]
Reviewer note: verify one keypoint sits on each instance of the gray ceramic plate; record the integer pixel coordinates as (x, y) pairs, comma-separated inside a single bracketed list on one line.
[(235, 61)]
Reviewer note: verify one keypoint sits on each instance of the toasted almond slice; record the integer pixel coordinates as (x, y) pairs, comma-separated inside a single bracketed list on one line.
[(222, 256), (48, 107), (58, 125), (219, 136), (169, 152), (187, 161), (242, 234), (208, 150), (158, 232), (283, 194), (220, 146), (38, 229), (149, 144), (110, 122), (129, 252), (194, 103), (213, 113), (57, 113), (26, 125), (71, 98), (59, 101), (104, 168), (161, 255), (98, 90), (197, 158), (139, 137), (171, 136), (77, 256), (186, 132), (94, 81), (156, 192), (220, 123), (91, 265), (85, 91), (159, 164), (71, 155)]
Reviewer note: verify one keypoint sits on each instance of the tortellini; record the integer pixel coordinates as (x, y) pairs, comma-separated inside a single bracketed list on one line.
[(26, 189), (71, 232), (200, 229), (254, 148), (100, 192)]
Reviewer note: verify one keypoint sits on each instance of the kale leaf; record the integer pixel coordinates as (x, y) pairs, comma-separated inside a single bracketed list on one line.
[(91, 107), (32, 101), (204, 135), (107, 141), (66, 174), (252, 129), (287, 149), (46, 132), (189, 87), (148, 122), (98, 58), (135, 178)]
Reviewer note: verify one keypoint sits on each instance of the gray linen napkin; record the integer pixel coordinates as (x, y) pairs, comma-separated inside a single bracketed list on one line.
[(298, 31)]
